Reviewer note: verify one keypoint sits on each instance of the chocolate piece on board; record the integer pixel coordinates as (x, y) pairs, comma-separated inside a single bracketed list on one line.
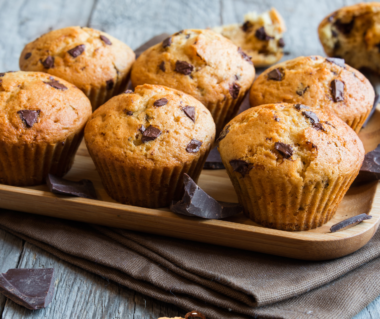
[(83, 188), (349, 222)]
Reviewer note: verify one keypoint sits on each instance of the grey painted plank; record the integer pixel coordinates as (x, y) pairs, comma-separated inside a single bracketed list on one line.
[(372, 311)]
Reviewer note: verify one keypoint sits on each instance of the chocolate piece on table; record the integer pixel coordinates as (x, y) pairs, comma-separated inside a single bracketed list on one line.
[(30, 288), (337, 89), (349, 221), (194, 146), (77, 51), (190, 112), (195, 315), (150, 133), (213, 161), (377, 100), (160, 102), (105, 39), (234, 90), (370, 170), (196, 203), (83, 188), (184, 67), (29, 117)]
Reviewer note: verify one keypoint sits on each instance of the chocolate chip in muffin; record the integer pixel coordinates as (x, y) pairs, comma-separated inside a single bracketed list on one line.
[(29, 117), (284, 149), (319, 127), (223, 133), (245, 56), (129, 113), (345, 28), (183, 67), (48, 63), (167, 42), (77, 51), (337, 89), (160, 102), (27, 55), (234, 90), (302, 90), (276, 75), (247, 25), (190, 112), (194, 146), (109, 84), (128, 92), (150, 134), (337, 61), (276, 118), (262, 35), (1, 75), (281, 43), (240, 166), (105, 39), (311, 116), (55, 84), (162, 66)]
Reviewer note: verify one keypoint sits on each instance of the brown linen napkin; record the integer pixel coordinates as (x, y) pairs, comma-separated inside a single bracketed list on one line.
[(219, 282)]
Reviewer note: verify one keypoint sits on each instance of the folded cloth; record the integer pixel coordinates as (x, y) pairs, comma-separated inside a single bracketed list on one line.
[(217, 281)]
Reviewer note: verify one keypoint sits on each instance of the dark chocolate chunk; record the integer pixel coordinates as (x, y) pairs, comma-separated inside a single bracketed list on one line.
[(247, 25), (284, 149), (77, 51), (276, 75), (30, 288), (150, 134), (337, 89), (109, 84), (223, 133), (190, 112), (194, 146), (277, 119), (167, 42), (311, 116), (370, 170), (376, 101), (160, 102), (128, 92), (183, 67), (281, 43), (29, 117), (245, 56), (162, 66), (234, 90), (129, 113), (338, 61), (83, 188), (2, 74), (300, 107), (48, 63), (27, 55), (55, 84), (301, 91), (349, 221), (142, 128), (105, 39), (319, 127), (241, 167), (345, 28), (213, 161), (196, 203), (262, 35), (194, 315)]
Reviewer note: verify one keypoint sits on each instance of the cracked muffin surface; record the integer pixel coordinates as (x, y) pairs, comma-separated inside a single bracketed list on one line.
[(321, 83), (94, 61), (290, 164)]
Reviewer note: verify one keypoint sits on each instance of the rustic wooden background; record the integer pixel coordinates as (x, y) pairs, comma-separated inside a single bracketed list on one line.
[(80, 294)]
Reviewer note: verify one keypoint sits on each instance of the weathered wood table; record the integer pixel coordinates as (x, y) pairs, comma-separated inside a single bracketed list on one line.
[(80, 294)]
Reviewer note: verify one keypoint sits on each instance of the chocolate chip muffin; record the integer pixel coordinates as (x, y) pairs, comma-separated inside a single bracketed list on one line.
[(41, 126), (143, 142), (320, 83), (94, 61), (203, 64), (353, 33), (260, 36), (290, 164)]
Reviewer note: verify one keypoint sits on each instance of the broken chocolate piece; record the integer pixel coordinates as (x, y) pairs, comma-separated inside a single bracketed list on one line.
[(299, 107), (345, 28), (338, 61), (247, 25), (234, 90), (162, 66), (183, 67), (262, 35), (55, 84), (195, 202), (190, 112), (376, 101), (319, 127), (150, 134), (281, 43), (276, 75), (337, 89), (284, 149), (84, 188), (241, 167), (105, 39), (48, 63), (30, 288), (213, 161), (109, 84), (370, 170), (349, 221), (194, 315), (301, 91), (311, 116), (223, 133), (245, 56), (27, 55), (160, 102), (167, 42), (194, 146), (29, 117), (77, 51)]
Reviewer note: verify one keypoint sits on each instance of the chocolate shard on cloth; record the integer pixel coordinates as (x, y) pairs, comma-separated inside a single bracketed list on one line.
[(30, 288), (197, 203), (60, 186)]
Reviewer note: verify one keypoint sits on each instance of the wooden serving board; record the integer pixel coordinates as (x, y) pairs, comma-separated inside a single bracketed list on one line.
[(238, 232)]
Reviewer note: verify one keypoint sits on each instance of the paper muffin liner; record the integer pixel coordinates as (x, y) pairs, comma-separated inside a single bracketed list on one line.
[(142, 186), (29, 164), (357, 123), (281, 204)]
